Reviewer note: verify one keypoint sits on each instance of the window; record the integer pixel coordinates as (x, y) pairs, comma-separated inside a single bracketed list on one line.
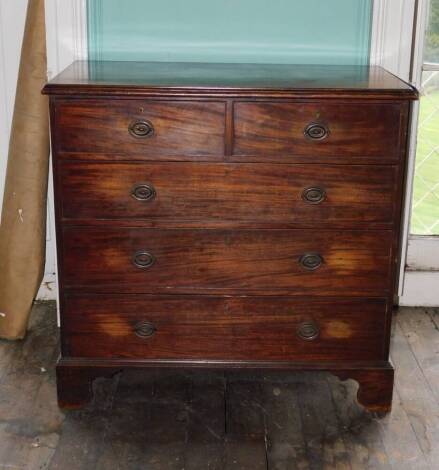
[(425, 213)]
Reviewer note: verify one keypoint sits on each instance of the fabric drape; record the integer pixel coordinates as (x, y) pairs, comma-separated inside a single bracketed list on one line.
[(23, 222)]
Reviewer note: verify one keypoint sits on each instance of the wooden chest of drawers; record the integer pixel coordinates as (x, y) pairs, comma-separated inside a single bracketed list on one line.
[(228, 216)]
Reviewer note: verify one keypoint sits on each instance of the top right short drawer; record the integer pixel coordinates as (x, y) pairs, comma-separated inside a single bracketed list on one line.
[(320, 131)]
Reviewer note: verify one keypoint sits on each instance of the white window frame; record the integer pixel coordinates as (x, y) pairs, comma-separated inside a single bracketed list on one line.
[(398, 36), (421, 276)]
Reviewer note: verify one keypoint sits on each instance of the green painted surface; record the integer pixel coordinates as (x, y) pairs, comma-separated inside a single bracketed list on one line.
[(259, 31)]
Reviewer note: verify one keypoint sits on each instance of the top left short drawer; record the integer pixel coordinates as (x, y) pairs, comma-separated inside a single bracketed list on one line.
[(139, 128)]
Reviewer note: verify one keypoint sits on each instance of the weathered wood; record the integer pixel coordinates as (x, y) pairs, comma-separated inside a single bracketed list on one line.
[(82, 439), (361, 433), (421, 332), (434, 315), (30, 422), (286, 445), (416, 396), (400, 441), (149, 429), (244, 455), (325, 445), (245, 444), (206, 423), (119, 430)]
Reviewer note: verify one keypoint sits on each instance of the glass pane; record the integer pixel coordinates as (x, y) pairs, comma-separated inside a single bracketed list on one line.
[(432, 40), (425, 216), (262, 31)]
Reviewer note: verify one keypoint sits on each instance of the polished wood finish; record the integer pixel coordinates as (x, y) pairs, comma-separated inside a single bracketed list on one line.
[(224, 195), (279, 129), (228, 216), (227, 261), (236, 328), (180, 128), (91, 78)]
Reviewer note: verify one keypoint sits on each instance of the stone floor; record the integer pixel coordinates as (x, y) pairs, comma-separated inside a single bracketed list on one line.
[(212, 421)]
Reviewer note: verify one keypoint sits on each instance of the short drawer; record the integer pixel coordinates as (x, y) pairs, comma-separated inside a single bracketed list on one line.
[(225, 261), (233, 328), (320, 131), (177, 194), (140, 128)]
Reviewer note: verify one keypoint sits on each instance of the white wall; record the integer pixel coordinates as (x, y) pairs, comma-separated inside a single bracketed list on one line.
[(65, 24), (12, 16)]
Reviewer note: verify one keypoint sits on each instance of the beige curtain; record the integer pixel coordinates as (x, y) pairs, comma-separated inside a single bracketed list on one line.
[(23, 224)]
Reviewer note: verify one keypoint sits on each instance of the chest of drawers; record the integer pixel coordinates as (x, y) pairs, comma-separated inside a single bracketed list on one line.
[(224, 216)]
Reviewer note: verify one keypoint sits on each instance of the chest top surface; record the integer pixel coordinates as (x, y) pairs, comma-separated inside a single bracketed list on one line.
[(175, 78)]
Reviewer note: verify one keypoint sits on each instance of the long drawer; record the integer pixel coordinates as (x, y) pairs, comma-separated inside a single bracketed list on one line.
[(213, 195), (223, 328), (337, 131), (140, 127), (313, 262)]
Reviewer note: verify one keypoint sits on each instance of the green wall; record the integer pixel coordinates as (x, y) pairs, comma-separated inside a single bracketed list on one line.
[(267, 31)]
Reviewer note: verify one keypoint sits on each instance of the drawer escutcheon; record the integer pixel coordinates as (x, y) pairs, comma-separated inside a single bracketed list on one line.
[(311, 261), (314, 195), (316, 131), (144, 329), (141, 129), (143, 260), (143, 192), (308, 331)]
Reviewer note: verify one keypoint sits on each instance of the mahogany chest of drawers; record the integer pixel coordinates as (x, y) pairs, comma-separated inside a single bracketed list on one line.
[(214, 215)]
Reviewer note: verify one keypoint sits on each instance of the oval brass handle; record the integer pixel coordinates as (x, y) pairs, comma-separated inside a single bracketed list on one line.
[(144, 329), (314, 195), (143, 260), (308, 331), (316, 131), (311, 261), (141, 129), (143, 192)]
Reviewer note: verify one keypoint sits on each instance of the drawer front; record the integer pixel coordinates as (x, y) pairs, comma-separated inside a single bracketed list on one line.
[(213, 195), (240, 328), (334, 131), (202, 261), (139, 128)]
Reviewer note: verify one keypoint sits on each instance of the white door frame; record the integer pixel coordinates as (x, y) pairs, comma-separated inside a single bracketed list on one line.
[(66, 37), (391, 47)]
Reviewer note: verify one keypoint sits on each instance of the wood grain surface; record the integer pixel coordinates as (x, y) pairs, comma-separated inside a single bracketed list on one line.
[(227, 261), (240, 328), (180, 128), (214, 261), (277, 130), (228, 195)]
